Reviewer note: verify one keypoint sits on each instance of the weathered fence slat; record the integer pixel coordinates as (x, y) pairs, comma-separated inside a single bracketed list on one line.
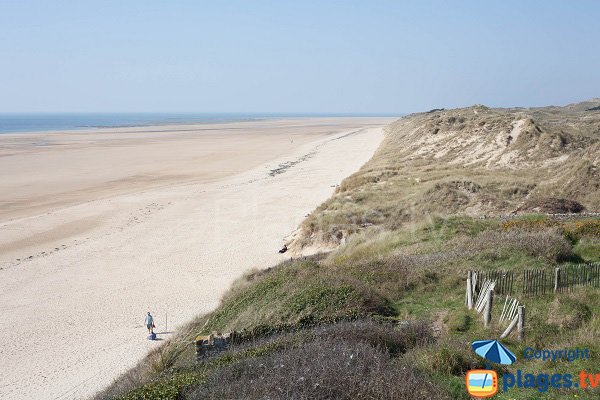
[(565, 279)]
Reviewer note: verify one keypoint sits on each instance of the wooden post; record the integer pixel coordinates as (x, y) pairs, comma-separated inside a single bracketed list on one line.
[(487, 313), (556, 279), (521, 322), (469, 291)]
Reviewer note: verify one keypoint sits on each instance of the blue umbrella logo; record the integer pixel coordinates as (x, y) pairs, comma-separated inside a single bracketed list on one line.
[(493, 351)]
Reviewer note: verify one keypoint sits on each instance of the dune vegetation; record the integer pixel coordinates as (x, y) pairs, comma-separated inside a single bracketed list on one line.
[(474, 161), (382, 313)]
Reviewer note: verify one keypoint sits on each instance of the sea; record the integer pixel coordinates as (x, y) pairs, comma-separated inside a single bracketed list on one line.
[(36, 122)]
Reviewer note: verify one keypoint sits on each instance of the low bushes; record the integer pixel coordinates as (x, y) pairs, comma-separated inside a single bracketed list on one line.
[(296, 293), (340, 361), (307, 315)]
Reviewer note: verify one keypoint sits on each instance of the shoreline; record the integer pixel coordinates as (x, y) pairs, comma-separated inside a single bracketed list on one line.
[(160, 123), (171, 249)]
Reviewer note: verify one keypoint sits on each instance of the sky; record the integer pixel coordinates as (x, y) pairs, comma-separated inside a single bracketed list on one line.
[(388, 57)]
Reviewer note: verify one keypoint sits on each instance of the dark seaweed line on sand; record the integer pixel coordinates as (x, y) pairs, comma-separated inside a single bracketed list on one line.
[(283, 167)]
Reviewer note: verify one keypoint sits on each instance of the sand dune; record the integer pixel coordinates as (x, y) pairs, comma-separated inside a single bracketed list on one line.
[(98, 227)]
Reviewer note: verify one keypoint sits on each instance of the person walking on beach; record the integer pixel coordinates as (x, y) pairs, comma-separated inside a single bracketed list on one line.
[(150, 323)]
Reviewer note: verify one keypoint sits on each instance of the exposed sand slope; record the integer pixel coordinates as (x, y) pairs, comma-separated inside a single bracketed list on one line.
[(475, 161), (72, 314)]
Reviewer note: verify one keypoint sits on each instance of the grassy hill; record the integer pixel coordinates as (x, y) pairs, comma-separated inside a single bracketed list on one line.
[(382, 314)]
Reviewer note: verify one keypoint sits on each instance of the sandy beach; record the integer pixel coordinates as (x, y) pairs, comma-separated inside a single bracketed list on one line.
[(98, 227)]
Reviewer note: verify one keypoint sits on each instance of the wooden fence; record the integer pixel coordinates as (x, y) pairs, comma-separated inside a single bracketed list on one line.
[(483, 285), (504, 281), (512, 315), (572, 276), (535, 282), (540, 281)]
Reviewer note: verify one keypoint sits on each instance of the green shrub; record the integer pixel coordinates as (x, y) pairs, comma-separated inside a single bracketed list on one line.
[(294, 293), (338, 361)]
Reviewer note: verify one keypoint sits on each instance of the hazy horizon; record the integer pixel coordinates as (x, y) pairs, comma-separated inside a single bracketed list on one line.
[(18, 122), (282, 57)]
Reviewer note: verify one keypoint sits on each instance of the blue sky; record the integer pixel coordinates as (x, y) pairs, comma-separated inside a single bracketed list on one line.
[(295, 56)]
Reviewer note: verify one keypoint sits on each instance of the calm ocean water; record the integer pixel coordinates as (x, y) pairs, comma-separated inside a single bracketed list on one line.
[(22, 122)]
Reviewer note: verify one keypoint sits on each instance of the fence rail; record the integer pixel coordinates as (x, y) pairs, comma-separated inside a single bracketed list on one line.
[(539, 281)]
